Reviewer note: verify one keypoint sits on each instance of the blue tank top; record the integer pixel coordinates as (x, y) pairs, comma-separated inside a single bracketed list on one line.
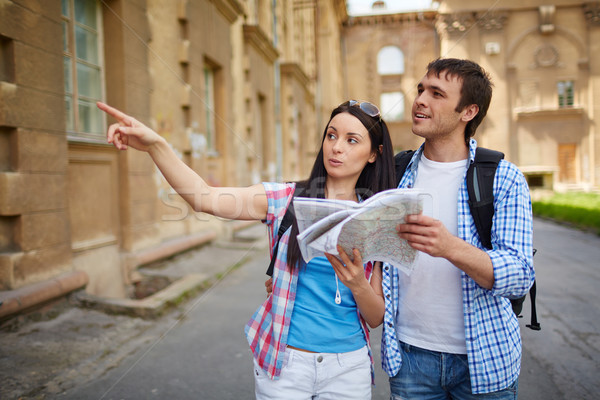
[(319, 324)]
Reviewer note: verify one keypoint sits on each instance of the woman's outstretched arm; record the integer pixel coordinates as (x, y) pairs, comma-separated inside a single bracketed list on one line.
[(226, 202)]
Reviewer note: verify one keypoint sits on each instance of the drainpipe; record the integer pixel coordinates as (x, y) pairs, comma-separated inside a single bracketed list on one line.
[(277, 99), (318, 85)]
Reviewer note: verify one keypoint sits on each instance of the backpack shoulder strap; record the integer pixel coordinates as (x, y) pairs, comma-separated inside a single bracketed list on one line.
[(401, 161), (534, 325), (480, 186), (286, 222)]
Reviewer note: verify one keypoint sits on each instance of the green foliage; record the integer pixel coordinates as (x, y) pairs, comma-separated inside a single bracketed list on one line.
[(579, 209)]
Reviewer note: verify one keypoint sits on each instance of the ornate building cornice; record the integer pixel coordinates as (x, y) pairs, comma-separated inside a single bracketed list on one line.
[(492, 20), (591, 12), (254, 36), (229, 8), (389, 19), (295, 71), (456, 23)]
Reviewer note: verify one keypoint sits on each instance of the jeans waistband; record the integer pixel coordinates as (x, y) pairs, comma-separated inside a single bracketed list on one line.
[(319, 357)]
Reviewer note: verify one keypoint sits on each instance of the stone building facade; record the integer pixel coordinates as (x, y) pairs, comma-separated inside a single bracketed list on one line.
[(389, 52), (543, 59), (242, 90), (234, 85)]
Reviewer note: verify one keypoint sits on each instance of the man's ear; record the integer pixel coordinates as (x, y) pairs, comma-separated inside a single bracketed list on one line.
[(469, 112)]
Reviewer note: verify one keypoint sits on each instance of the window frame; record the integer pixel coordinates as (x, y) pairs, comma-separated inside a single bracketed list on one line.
[(569, 89), (75, 131), (397, 70), (209, 108)]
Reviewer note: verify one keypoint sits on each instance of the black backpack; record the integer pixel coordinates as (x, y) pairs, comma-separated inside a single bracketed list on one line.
[(480, 183)]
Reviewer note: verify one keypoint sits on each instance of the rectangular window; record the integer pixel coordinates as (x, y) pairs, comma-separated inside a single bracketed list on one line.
[(565, 91), (83, 68)]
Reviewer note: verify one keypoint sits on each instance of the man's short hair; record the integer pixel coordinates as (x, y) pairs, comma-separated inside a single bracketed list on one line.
[(476, 87)]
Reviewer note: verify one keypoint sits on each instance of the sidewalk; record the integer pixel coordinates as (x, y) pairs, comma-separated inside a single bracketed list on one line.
[(80, 338)]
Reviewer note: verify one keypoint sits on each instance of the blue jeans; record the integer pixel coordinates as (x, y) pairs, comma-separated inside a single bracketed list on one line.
[(431, 375)]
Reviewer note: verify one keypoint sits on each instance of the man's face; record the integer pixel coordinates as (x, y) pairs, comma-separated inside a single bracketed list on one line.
[(434, 112)]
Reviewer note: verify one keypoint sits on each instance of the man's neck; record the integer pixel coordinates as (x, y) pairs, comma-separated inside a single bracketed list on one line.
[(446, 150)]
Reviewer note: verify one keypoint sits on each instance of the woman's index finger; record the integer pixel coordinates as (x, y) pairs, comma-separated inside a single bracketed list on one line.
[(119, 115)]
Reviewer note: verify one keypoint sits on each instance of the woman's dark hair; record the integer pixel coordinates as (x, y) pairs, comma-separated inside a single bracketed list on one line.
[(375, 177), (476, 87)]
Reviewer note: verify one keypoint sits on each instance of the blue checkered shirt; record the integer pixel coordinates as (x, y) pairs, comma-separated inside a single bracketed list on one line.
[(492, 332)]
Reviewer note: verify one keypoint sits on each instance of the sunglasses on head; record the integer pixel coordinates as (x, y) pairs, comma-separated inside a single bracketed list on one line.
[(369, 108)]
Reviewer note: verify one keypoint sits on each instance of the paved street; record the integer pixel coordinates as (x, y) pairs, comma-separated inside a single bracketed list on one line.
[(199, 351), (562, 361), (204, 355)]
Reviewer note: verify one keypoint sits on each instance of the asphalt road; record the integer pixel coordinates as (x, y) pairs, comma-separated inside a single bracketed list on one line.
[(203, 354), (562, 361)]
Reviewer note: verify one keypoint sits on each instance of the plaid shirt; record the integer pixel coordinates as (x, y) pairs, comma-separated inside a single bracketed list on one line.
[(267, 330), (492, 332)]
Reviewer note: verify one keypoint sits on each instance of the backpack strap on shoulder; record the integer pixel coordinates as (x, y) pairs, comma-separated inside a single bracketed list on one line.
[(480, 186), (286, 222), (401, 161)]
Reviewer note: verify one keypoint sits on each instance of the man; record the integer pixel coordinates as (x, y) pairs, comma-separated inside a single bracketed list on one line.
[(449, 330)]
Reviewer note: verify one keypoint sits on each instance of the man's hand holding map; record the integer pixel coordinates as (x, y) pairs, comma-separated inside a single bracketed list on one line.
[(369, 226)]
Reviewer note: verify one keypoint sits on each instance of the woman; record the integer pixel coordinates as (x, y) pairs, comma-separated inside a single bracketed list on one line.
[(304, 343)]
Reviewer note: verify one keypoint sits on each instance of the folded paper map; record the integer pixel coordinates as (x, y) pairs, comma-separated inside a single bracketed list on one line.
[(369, 226)]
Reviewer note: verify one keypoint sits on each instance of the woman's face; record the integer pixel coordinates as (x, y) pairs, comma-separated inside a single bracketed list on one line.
[(347, 147)]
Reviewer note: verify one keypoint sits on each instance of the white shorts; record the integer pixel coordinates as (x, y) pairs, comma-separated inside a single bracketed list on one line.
[(319, 376)]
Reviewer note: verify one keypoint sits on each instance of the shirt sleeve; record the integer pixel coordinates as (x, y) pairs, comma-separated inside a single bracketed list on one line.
[(279, 196)]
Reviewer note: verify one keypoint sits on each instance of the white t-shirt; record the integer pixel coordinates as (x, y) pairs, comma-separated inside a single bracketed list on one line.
[(430, 312)]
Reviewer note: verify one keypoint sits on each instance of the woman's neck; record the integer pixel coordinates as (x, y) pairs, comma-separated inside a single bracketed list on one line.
[(336, 190)]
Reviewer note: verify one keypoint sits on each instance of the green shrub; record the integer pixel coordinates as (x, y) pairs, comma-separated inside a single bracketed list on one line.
[(579, 209)]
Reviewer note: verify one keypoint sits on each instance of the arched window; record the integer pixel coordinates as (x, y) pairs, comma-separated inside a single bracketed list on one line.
[(392, 106), (390, 61)]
